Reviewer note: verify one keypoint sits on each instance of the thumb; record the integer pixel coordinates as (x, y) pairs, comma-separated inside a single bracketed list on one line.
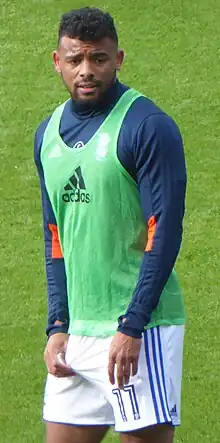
[(62, 363), (60, 358)]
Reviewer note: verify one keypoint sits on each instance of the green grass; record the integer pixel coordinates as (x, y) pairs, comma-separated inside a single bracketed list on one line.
[(172, 55)]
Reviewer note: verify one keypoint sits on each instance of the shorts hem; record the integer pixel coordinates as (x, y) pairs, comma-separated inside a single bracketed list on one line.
[(146, 425), (77, 424)]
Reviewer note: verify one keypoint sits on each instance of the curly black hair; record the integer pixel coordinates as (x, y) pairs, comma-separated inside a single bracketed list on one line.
[(87, 24)]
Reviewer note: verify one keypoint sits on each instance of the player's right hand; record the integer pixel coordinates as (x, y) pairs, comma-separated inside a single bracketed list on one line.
[(54, 355)]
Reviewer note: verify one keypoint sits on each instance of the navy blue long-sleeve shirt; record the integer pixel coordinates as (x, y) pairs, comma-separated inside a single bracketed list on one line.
[(150, 148)]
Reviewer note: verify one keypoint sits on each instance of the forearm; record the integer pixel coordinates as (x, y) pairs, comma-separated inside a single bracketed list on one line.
[(58, 314), (155, 270)]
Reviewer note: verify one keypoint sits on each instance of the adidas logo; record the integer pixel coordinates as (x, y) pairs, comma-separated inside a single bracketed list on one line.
[(173, 411), (76, 189)]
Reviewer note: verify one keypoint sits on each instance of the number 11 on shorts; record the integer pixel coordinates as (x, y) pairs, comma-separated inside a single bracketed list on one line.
[(128, 393)]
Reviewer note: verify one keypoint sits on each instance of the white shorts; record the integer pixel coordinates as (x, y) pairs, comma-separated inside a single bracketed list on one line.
[(88, 398)]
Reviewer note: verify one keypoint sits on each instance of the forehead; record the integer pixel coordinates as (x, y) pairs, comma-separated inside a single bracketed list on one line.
[(75, 45)]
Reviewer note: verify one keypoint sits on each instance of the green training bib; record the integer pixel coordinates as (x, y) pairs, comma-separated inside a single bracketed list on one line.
[(101, 228)]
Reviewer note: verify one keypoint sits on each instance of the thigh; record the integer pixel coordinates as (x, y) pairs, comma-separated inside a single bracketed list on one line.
[(61, 433), (163, 433), (152, 397)]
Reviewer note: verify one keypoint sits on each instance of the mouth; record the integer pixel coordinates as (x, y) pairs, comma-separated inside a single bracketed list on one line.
[(87, 88)]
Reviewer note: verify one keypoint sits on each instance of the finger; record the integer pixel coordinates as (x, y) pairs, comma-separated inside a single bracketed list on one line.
[(64, 369), (64, 372), (57, 366), (120, 374), (127, 372), (134, 365), (61, 370), (111, 370), (60, 358)]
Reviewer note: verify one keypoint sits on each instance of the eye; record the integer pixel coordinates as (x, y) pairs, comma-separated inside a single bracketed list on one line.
[(100, 60), (74, 62)]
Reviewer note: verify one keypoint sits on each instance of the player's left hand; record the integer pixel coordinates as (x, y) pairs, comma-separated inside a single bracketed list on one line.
[(124, 353)]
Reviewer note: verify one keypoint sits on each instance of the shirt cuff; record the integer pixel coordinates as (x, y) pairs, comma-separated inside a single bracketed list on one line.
[(55, 329), (132, 324), (130, 332)]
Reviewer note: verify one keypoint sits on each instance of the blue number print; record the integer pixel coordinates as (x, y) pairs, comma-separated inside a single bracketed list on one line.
[(130, 390)]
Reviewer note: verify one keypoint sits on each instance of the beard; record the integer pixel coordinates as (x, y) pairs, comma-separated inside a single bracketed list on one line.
[(90, 100)]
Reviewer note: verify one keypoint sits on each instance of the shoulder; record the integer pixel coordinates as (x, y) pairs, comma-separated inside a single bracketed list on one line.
[(145, 117), (38, 138), (144, 109), (39, 133)]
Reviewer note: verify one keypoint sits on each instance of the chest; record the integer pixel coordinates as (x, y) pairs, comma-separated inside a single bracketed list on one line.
[(90, 169)]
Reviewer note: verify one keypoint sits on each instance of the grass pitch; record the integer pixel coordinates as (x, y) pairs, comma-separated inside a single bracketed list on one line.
[(172, 55)]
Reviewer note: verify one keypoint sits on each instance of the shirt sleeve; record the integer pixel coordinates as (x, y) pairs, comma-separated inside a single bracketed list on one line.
[(58, 316), (161, 179)]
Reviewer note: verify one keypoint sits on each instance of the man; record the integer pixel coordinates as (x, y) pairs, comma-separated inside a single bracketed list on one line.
[(112, 174)]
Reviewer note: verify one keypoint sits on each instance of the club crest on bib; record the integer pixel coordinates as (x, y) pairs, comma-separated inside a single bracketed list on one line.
[(102, 147)]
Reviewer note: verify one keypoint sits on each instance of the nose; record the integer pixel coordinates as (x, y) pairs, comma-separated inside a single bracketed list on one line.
[(86, 69)]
